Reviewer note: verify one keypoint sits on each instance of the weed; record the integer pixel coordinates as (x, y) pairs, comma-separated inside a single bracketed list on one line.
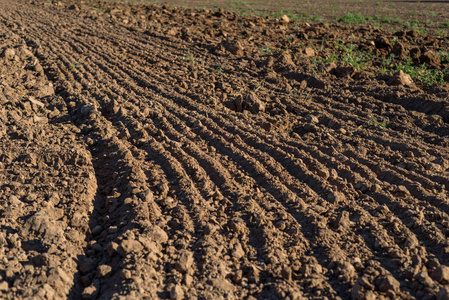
[(97, 9), (316, 18), (75, 65), (441, 32), (422, 73), (433, 14), (259, 85), (352, 56), (373, 123), (221, 67), (190, 58), (445, 23), (444, 56), (39, 42), (355, 18), (268, 50)]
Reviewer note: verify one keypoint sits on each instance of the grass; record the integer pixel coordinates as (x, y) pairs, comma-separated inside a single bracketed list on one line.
[(347, 54), (373, 123), (354, 57), (220, 68), (266, 50), (444, 56), (75, 65), (422, 73), (189, 58), (355, 18)]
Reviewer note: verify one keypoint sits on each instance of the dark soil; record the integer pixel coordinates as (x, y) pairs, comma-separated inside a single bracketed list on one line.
[(155, 152)]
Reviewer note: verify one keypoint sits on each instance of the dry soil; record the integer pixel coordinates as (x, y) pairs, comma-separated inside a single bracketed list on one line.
[(155, 152)]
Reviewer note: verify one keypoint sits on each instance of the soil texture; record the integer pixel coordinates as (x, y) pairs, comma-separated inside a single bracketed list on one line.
[(153, 152)]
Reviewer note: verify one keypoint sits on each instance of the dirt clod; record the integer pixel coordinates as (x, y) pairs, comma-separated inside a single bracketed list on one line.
[(400, 78), (388, 283), (429, 57), (185, 261), (441, 274)]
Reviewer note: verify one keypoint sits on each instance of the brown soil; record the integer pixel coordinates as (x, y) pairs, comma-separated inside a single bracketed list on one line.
[(155, 152)]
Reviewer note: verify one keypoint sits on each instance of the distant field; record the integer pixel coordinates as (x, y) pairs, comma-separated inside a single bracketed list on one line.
[(419, 15)]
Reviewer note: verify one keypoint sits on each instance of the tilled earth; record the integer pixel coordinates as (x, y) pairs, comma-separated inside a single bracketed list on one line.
[(154, 152)]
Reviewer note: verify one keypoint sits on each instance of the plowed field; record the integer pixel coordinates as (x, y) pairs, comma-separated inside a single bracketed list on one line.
[(155, 152)]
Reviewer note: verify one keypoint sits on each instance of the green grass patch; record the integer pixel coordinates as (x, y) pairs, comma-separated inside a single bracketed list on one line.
[(347, 54), (421, 73), (355, 18)]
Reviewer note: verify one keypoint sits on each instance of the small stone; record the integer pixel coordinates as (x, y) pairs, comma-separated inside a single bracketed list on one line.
[(312, 119), (333, 174), (64, 276), (238, 252), (441, 274), (284, 59), (222, 284), (349, 270), (9, 53), (399, 50), (148, 196), (253, 104), (238, 103), (157, 234), (401, 78), (129, 246), (103, 271), (323, 173), (185, 261), (285, 19), (14, 201), (411, 242), (38, 119), (176, 293), (4, 286), (308, 270), (90, 292), (286, 273), (46, 90), (336, 197), (234, 47), (188, 280), (87, 109), (97, 230), (429, 57), (38, 68), (342, 220), (86, 265), (310, 127), (402, 190), (197, 124), (389, 283), (309, 52)]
